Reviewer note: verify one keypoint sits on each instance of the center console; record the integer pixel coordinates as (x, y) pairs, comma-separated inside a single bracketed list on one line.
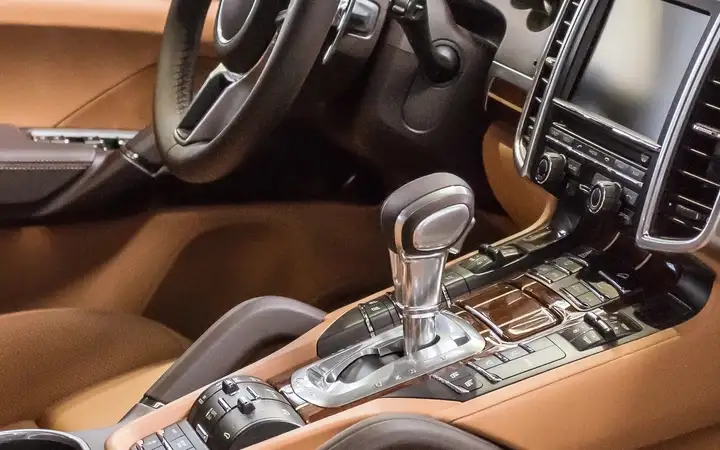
[(532, 304)]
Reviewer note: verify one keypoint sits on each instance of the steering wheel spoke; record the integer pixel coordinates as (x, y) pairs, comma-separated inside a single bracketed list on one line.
[(216, 103), (267, 49)]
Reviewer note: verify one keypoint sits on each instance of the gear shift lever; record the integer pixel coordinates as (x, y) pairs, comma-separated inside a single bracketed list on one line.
[(423, 222)]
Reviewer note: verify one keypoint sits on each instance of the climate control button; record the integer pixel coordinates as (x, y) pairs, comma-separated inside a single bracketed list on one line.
[(604, 198), (550, 169)]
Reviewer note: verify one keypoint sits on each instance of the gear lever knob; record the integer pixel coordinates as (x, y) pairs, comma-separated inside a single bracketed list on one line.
[(422, 223)]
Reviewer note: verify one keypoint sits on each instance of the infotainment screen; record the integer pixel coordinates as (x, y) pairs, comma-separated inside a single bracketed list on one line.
[(639, 62)]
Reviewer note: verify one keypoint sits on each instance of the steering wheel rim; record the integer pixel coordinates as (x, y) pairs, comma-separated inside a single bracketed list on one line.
[(202, 138)]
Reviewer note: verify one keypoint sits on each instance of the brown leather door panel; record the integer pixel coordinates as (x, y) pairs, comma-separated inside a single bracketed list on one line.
[(80, 63)]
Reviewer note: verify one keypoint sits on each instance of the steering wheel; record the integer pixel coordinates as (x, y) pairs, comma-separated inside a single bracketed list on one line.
[(266, 48)]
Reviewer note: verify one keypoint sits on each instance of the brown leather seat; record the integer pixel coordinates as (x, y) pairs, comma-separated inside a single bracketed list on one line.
[(71, 369)]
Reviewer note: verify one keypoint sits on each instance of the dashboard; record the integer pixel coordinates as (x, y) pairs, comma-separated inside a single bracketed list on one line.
[(620, 121)]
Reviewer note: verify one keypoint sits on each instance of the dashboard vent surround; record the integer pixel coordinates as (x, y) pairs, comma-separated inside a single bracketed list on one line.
[(693, 181), (545, 70)]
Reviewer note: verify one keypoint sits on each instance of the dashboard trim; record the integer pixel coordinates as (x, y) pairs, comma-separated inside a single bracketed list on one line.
[(522, 155), (669, 148)]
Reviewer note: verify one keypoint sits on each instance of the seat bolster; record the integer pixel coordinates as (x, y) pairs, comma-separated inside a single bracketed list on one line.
[(51, 354), (103, 404)]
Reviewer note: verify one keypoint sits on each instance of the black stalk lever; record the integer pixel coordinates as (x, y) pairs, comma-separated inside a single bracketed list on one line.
[(440, 62)]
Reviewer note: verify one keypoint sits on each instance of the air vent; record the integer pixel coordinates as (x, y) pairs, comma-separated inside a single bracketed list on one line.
[(693, 182), (546, 68)]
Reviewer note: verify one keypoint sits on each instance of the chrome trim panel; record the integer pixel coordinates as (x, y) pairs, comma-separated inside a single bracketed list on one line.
[(320, 384), (644, 237), (507, 73), (523, 155)]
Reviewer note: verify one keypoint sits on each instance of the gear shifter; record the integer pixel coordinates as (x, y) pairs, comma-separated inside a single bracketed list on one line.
[(423, 222)]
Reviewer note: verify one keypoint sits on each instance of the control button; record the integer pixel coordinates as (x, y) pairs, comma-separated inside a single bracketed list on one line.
[(590, 299), (645, 159), (393, 312), (575, 331), (229, 387), (223, 404), (374, 307), (549, 273), (245, 405), (529, 362), (636, 173), (151, 442), (550, 169), (621, 326), (574, 167), (567, 139), (588, 340), (606, 289), (599, 324), (247, 379), (606, 159), (454, 284), (621, 166), (264, 392), (630, 197), (454, 373), (471, 383), (626, 217), (514, 353), (540, 344), (479, 263), (172, 432), (568, 264), (604, 198), (487, 362), (182, 443), (595, 153), (556, 133), (381, 322), (444, 382), (577, 289), (201, 433)]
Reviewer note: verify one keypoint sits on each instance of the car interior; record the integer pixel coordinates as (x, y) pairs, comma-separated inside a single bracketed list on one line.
[(340, 224)]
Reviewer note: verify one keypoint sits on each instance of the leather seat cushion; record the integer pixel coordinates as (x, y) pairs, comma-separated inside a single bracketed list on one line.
[(49, 355)]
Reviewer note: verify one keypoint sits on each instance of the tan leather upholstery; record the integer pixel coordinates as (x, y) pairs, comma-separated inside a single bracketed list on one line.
[(102, 404), (21, 425), (51, 354)]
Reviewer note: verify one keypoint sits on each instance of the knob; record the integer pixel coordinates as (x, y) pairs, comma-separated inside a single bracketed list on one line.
[(423, 222), (604, 197), (550, 169)]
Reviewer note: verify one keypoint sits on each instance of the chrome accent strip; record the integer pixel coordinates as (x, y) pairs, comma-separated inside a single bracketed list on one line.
[(607, 123), (345, 9), (369, 326), (644, 237), (513, 76), (522, 155)]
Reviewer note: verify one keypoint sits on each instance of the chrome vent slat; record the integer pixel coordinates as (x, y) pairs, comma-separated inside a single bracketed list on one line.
[(692, 186), (527, 135)]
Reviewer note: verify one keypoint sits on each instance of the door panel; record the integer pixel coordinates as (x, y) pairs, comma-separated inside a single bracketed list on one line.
[(79, 63)]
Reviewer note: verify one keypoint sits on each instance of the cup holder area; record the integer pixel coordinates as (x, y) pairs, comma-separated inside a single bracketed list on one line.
[(40, 440)]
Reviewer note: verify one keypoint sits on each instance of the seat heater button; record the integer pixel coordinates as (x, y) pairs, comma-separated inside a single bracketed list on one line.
[(568, 264), (151, 442), (514, 353), (576, 290), (182, 443), (575, 331), (587, 340), (454, 373), (487, 362), (471, 383), (540, 344), (172, 432), (590, 299)]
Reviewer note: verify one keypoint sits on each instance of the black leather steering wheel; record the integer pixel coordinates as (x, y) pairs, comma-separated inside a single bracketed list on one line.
[(267, 49)]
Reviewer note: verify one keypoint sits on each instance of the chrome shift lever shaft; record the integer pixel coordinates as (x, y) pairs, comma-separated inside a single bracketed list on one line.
[(423, 222)]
